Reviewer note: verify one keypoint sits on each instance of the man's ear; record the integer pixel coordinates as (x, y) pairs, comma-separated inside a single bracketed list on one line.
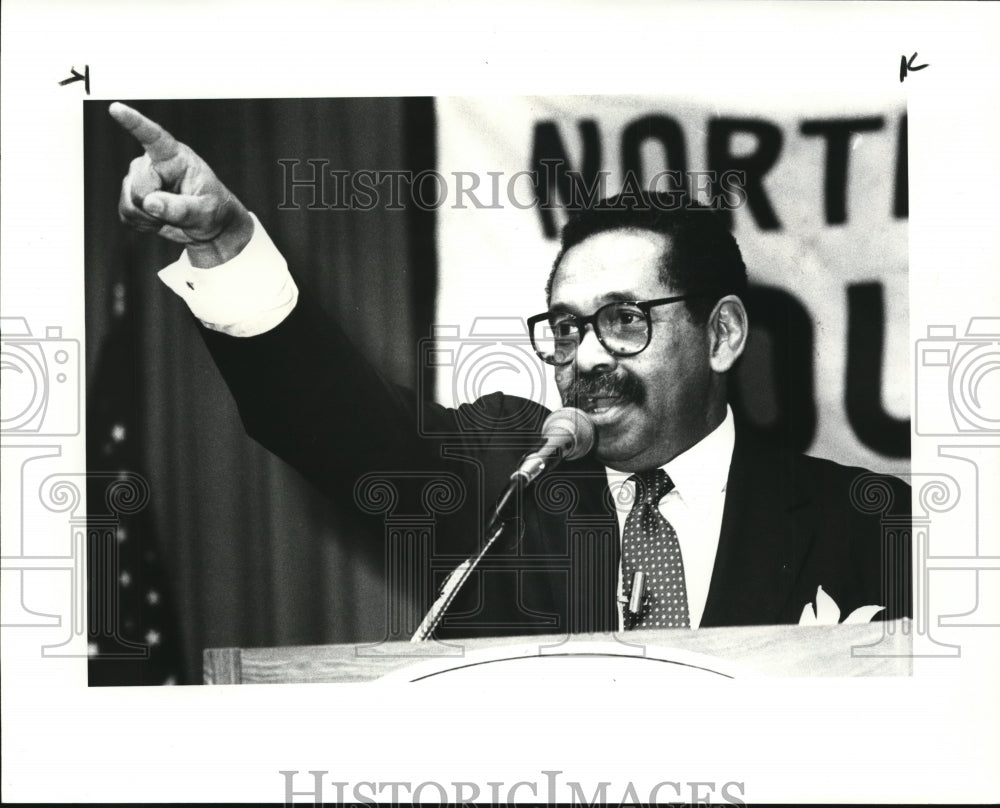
[(728, 326)]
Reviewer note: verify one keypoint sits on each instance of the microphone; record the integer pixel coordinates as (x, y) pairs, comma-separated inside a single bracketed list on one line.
[(566, 434)]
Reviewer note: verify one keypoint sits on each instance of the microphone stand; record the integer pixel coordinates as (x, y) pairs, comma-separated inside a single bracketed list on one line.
[(569, 434), (456, 580)]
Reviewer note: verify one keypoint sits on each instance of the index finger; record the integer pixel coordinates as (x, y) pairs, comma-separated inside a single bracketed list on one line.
[(157, 141)]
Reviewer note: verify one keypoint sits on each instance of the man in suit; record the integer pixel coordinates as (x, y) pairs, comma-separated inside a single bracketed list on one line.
[(676, 518)]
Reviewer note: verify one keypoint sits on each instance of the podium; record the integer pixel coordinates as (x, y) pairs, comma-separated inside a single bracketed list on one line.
[(869, 649)]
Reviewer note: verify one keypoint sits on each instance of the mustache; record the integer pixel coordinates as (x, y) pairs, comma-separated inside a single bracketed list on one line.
[(586, 386)]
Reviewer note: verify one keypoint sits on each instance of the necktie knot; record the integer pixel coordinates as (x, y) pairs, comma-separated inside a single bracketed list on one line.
[(651, 486)]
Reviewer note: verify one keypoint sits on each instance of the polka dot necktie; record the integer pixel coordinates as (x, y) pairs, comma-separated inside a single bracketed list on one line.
[(650, 545)]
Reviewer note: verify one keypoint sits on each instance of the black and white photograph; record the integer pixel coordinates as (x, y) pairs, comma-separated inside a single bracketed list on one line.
[(423, 236), (388, 426)]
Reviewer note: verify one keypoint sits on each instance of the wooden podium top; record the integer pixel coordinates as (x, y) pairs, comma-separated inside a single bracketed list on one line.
[(870, 649)]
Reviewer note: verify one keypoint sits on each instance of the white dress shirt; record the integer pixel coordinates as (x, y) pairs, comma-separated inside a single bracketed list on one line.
[(693, 506), (245, 296)]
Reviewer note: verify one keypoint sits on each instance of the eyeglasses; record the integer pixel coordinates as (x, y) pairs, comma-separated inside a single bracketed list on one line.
[(622, 327)]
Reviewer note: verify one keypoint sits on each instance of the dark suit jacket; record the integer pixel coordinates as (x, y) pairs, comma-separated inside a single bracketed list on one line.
[(791, 523)]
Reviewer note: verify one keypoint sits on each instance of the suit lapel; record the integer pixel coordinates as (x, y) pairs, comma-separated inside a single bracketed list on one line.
[(599, 542), (570, 513), (767, 530)]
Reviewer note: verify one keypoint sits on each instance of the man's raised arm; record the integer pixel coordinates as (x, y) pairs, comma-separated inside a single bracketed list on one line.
[(303, 389)]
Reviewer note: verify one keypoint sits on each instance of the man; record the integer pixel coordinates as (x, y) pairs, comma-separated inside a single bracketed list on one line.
[(676, 518)]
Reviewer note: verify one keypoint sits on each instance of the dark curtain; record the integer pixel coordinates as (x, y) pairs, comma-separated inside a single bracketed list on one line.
[(255, 557)]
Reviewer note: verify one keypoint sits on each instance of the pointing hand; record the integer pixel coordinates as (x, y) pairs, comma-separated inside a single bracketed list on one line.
[(171, 191)]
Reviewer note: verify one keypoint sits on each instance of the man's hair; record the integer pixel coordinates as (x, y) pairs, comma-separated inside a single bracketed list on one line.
[(704, 258)]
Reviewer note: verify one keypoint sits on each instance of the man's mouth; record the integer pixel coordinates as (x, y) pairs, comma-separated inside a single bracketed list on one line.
[(599, 405)]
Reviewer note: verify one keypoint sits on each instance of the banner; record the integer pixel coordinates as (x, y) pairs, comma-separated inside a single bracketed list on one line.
[(816, 190)]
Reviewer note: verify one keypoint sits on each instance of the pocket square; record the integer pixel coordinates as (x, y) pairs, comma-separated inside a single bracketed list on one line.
[(826, 612)]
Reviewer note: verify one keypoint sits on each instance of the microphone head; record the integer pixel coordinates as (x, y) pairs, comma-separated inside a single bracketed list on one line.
[(577, 425)]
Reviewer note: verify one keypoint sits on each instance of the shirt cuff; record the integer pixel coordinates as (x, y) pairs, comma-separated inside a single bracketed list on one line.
[(243, 297)]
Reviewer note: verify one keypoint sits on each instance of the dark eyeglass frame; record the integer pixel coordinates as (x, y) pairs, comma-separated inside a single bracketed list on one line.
[(643, 305)]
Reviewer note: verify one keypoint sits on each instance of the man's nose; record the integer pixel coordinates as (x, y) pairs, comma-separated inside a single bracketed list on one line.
[(591, 355)]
